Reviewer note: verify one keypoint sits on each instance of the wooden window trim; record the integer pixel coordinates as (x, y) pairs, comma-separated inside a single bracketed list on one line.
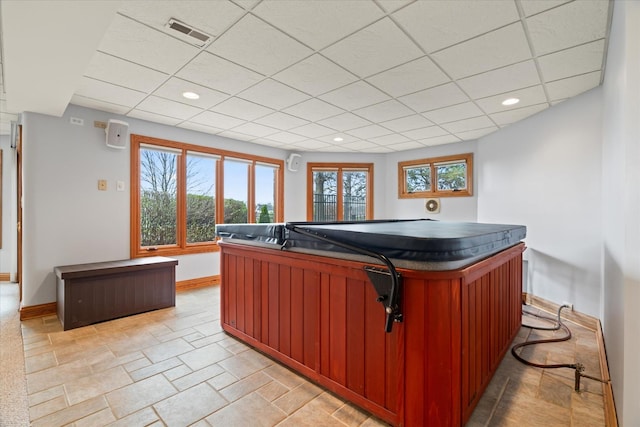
[(182, 247), (431, 162), (339, 168)]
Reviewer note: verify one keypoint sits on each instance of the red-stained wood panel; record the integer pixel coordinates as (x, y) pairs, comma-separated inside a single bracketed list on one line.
[(310, 319), (249, 299), (240, 285), (415, 375), (264, 302), (325, 325), (232, 290), (257, 299), (355, 323), (284, 304), (297, 316), (274, 306), (375, 373), (338, 329)]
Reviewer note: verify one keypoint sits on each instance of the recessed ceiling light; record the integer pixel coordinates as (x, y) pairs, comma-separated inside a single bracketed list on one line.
[(510, 101), (190, 95), (338, 139)]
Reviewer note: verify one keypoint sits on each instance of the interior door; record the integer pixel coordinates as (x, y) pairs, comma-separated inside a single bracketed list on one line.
[(19, 204)]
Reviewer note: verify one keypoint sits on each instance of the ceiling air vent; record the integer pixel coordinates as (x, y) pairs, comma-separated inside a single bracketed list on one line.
[(188, 33)]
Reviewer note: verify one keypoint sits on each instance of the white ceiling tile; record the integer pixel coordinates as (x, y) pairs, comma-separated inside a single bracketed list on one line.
[(286, 137), (312, 144), (124, 73), (437, 97), (370, 131), (453, 113), (573, 61), (241, 109), (318, 23), (506, 117), (373, 49), (345, 121), (360, 145), (268, 142), (438, 140), (406, 146), (200, 128), (416, 75), (236, 135), (273, 94), (496, 49), (475, 134), (312, 130), (175, 87), (255, 130), (138, 43), (210, 17), (384, 111), (152, 117), (264, 48), (281, 121), (393, 5), (404, 124), (98, 104), (378, 149), (209, 118), (558, 101), (468, 124), (394, 138), (531, 7), (247, 4), (356, 95), (529, 96), (423, 133), (572, 86), (107, 92), (315, 75), (313, 110), (334, 149), (438, 24), (166, 107), (568, 25), (217, 73), (505, 79)]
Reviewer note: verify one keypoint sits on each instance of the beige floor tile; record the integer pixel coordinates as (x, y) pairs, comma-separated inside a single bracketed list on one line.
[(143, 417), (307, 417), (587, 410), (251, 410), (223, 380), (114, 361), (44, 395), (72, 413), (128, 344), (284, 376), (96, 384), (100, 418), (244, 364), (210, 339), (167, 349), (375, 422), (172, 335), (156, 368), (136, 364), (205, 356), (197, 377), (177, 372), (555, 392), (136, 396), (56, 375), (48, 407), (272, 391), (190, 405), (40, 362), (351, 415), (296, 398), (245, 386)]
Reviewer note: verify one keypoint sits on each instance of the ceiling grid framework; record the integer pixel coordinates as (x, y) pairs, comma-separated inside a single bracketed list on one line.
[(383, 75)]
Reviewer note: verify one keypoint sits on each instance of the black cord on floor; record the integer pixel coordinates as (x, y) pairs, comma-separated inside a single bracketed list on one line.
[(578, 367)]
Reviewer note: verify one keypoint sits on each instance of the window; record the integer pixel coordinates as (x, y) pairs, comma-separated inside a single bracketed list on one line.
[(339, 192), (449, 176), (175, 189)]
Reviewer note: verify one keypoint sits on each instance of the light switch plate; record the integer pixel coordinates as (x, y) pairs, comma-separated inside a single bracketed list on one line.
[(120, 186), (102, 184)]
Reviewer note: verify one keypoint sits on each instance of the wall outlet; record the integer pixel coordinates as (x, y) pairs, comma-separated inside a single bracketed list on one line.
[(570, 304), (102, 184), (76, 121)]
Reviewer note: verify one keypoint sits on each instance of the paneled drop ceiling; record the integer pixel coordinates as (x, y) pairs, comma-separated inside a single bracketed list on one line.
[(344, 75)]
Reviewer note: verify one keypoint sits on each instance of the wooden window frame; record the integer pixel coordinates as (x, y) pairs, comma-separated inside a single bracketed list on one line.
[(339, 168), (182, 247), (432, 163)]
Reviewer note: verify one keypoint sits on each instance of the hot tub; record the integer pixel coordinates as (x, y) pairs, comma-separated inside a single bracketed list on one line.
[(319, 298)]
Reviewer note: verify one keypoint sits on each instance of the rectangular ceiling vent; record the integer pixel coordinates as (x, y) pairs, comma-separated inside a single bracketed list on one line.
[(188, 33)]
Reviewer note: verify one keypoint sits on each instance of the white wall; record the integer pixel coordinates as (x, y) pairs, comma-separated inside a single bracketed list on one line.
[(621, 210), (8, 214), (544, 172), (451, 208), (66, 219)]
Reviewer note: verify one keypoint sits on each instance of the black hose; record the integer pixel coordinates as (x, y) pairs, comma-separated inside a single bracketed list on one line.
[(578, 367)]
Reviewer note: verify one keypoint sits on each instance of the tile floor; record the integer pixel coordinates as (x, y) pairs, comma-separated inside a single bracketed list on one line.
[(176, 367)]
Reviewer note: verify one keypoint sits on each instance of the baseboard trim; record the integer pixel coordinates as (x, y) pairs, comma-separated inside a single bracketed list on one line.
[(5, 277), (576, 317), (610, 415), (40, 310), (200, 282)]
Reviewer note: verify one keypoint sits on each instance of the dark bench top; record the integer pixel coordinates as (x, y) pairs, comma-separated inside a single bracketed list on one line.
[(112, 267)]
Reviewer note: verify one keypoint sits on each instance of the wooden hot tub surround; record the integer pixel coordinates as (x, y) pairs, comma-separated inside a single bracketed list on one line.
[(319, 316)]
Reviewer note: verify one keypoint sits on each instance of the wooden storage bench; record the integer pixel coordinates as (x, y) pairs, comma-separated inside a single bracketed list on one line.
[(91, 293)]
